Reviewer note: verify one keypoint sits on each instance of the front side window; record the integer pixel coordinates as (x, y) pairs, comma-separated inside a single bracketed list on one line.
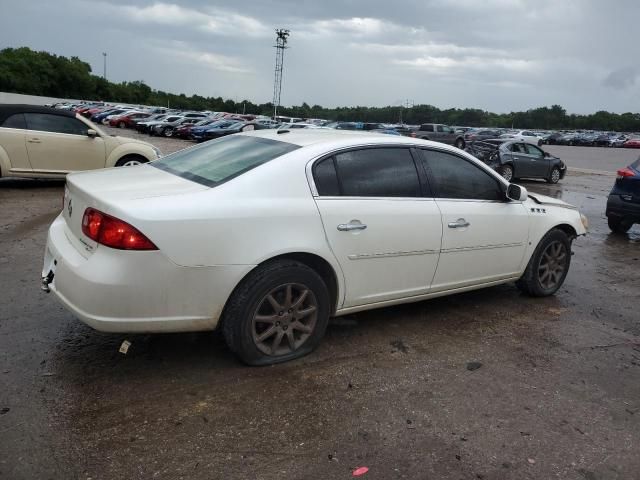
[(533, 150), (218, 161), (456, 177), (45, 122), (15, 121), (371, 172)]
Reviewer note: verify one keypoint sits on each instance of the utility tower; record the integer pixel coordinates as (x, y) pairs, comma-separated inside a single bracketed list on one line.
[(280, 46), (104, 71)]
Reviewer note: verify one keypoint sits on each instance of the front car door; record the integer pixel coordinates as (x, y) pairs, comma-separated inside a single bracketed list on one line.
[(521, 160), (59, 144), (484, 236), (382, 225)]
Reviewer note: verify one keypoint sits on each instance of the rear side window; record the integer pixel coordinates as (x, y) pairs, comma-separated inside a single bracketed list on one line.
[(45, 122), (15, 121), (326, 178), (218, 161), (372, 172), (456, 177)]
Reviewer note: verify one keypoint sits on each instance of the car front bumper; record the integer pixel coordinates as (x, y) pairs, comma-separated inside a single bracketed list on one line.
[(135, 291)]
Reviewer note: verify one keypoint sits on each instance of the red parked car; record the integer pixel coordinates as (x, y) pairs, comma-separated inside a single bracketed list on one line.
[(632, 143), (126, 121)]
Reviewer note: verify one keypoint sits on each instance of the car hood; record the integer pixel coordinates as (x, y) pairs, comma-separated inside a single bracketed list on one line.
[(122, 140), (544, 200)]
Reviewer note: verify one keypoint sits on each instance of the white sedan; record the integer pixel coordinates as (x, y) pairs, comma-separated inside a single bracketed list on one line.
[(526, 136), (267, 234)]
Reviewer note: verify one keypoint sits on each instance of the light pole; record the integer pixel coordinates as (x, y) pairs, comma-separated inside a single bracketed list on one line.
[(104, 71), (281, 44)]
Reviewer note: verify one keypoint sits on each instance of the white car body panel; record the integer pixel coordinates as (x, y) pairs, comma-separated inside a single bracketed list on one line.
[(210, 238)]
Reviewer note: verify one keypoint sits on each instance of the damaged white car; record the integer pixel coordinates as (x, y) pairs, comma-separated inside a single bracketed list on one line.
[(267, 234)]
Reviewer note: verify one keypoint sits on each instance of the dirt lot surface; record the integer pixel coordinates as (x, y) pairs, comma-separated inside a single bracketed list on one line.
[(483, 385)]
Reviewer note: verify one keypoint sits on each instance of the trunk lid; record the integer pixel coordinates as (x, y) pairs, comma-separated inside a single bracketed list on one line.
[(103, 189)]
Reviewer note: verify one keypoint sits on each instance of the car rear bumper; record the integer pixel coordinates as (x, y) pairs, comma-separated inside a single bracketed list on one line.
[(617, 207), (127, 291)]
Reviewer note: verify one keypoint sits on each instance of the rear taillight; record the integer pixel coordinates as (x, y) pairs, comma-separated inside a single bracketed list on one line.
[(113, 232), (626, 172)]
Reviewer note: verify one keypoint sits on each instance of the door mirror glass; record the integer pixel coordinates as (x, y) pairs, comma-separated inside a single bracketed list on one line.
[(546, 154), (516, 193), (92, 133)]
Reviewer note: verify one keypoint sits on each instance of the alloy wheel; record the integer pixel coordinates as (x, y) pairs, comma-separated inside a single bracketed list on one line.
[(285, 319), (555, 175), (507, 173), (131, 163), (553, 264)]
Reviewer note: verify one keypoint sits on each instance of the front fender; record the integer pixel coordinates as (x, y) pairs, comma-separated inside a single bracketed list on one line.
[(130, 149)]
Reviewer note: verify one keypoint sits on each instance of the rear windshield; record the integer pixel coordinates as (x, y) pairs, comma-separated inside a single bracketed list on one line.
[(218, 161)]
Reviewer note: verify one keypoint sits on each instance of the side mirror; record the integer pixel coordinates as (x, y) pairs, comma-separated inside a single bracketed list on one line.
[(516, 193), (546, 154), (91, 133)]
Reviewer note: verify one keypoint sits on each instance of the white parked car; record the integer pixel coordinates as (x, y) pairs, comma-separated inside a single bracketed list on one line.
[(269, 233), (524, 136), (45, 142)]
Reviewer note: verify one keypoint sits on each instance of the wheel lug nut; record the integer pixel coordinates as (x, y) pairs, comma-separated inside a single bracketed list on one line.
[(280, 314)]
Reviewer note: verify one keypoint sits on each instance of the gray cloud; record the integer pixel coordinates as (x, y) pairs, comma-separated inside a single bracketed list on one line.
[(622, 78), (500, 55)]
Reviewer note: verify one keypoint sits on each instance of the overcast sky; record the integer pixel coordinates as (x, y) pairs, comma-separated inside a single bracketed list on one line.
[(498, 55)]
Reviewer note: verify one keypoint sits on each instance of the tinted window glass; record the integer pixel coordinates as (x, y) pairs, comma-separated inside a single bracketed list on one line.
[(378, 172), (15, 121), (324, 174), (55, 123), (455, 177), (218, 161)]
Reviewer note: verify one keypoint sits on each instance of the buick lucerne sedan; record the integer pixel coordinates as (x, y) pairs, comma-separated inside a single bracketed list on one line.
[(268, 234)]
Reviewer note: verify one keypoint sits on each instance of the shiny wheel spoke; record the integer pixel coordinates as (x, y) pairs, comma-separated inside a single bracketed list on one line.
[(552, 265), (289, 310)]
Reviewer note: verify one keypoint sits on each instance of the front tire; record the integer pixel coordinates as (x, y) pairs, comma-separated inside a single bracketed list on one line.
[(618, 224), (168, 132), (122, 124), (460, 144), (554, 176), (131, 161), (548, 266), (279, 312)]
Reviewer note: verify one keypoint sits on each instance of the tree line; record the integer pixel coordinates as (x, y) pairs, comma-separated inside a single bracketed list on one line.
[(30, 72)]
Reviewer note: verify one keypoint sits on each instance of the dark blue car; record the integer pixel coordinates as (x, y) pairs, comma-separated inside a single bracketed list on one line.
[(623, 205)]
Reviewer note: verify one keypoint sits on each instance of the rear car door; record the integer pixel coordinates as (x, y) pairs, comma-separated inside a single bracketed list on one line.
[(60, 144), (484, 236), (539, 165), (382, 225), (521, 160), (13, 142)]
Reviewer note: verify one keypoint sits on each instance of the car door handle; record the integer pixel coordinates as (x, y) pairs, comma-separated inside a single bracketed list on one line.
[(34, 140), (460, 223), (347, 227)]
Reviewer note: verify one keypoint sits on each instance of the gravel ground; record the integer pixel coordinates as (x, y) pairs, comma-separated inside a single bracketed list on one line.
[(483, 385)]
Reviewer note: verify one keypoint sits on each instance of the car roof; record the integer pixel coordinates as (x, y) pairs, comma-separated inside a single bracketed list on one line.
[(309, 136), (6, 110)]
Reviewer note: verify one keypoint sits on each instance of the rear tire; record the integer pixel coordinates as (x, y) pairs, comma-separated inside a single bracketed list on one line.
[(507, 172), (618, 224), (168, 132), (264, 321), (548, 266)]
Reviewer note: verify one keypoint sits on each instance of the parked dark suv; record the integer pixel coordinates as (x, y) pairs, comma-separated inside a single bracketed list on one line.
[(623, 205)]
